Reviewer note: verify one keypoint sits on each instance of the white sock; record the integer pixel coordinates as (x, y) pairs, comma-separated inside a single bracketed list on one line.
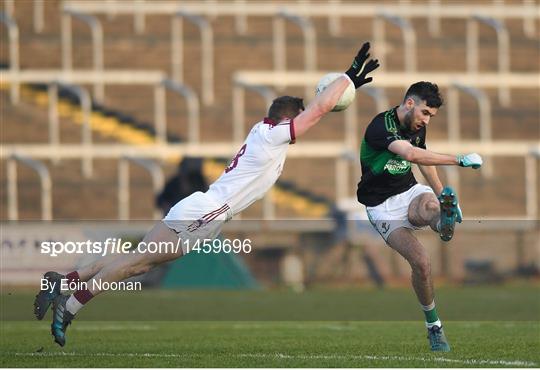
[(428, 307), (73, 305), (432, 324)]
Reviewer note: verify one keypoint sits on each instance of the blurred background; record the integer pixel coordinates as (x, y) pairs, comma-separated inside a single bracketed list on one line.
[(111, 111)]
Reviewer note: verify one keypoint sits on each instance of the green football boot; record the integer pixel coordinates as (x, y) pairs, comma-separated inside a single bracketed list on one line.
[(437, 339)]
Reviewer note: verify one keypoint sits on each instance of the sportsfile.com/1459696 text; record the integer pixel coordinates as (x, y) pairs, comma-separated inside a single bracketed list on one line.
[(118, 246)]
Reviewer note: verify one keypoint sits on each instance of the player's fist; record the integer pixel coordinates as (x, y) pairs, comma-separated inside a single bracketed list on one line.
[(470, 160), (359, 68)]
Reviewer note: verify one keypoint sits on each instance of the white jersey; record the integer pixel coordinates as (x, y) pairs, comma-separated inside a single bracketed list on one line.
[(256, 167)]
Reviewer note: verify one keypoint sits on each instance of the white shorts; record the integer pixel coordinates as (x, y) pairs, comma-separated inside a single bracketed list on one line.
[(197, 217), (393, 213)]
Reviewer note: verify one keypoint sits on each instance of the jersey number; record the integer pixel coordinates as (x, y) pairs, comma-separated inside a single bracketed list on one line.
[(234, 161)]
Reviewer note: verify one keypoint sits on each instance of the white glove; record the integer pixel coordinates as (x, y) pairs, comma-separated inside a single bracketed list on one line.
[(470, 160)]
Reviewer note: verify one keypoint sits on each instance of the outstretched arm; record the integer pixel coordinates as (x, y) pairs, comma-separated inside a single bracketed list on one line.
[(428, 158), (326, 101), (420, 156), (322, 104)]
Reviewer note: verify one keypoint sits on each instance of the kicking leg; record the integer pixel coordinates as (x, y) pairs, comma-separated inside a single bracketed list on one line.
[(424, 210), (405, 243), (87, 272), (123, 267), (138, 263), (46, 297)]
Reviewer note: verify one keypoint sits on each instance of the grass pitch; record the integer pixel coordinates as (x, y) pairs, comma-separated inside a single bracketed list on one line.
[(270, 344), (384, 336)]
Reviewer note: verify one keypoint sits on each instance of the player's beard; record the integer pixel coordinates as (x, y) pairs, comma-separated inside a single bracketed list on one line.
[(408, 119)]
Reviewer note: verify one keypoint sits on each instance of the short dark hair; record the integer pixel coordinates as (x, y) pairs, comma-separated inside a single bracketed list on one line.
[(285, 106), (427, 91)]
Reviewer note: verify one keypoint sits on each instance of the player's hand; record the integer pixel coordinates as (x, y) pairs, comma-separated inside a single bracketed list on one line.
[(470, 160), (359, 68)]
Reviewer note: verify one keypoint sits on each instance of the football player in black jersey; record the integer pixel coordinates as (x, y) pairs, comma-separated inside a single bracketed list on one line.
[(396, 204)]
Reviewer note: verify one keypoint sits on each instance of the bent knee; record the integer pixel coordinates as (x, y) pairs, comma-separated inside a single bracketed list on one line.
[(432, 205), (423, 209)]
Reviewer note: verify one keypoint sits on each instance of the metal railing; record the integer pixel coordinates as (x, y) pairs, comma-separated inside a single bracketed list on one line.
[(85, 76), (526, 12), (39, 15), (334, 150), (529, 25), (484, 110), (434, 20), (38, 11), (334, 21), (518, 80), (409, 39), (332, 9), (139, 22), (280, 47), (97, 45), (54, 125), (393, 80), (45, 183), (503, 42), (151, 167), (319, 149), (155, 79), (269, 78), (207, 52), (240, 23), (192, 102), (13, 36)]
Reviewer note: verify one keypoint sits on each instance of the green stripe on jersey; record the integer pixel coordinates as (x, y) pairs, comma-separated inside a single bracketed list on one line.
[(375, 159), (389, 123)]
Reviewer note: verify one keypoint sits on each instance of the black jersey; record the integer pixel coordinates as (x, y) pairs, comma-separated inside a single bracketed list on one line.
[(384, 173)]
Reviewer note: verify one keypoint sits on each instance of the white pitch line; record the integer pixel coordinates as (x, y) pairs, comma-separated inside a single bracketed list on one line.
[(395, 358), (99, 354), (302, 357), (114, 327)]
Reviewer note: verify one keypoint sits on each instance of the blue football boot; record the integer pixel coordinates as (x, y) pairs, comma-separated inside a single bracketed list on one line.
[(437, 339), (45, 297), (61, 319), (449, 213)]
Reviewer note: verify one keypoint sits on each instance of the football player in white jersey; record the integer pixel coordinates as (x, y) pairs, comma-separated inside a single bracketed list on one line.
[(251, 173)]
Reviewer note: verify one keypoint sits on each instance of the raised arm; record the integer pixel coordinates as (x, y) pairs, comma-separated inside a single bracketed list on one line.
[(325, 102)]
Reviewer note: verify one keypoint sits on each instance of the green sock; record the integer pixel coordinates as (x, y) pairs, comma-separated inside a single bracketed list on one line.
[(431, 315)]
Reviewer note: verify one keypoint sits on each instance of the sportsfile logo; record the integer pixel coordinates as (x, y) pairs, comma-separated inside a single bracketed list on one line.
[(109, 246)]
